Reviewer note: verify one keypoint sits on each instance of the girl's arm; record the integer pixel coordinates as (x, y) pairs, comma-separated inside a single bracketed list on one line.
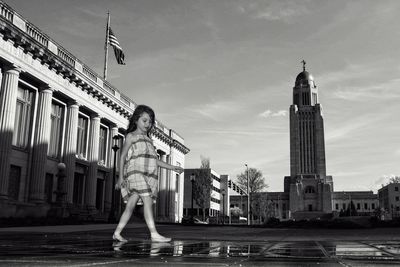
[(165, 165), (124, 152)]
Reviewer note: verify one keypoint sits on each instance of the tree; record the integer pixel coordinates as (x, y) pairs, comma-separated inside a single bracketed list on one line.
[(203, 185), (394, 179), (259, 205), (256, 182), (236, 212)]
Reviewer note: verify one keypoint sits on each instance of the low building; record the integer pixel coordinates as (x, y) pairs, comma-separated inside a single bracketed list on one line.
[(213, 205), (365, 202), (389, 199)]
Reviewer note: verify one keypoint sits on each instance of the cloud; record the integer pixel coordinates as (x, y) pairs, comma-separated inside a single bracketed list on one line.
[(274, 10), (348, 128), (215, 111), (268, 113), (386, 90)]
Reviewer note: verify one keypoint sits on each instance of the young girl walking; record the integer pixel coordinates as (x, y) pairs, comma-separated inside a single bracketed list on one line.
[(138, 171)]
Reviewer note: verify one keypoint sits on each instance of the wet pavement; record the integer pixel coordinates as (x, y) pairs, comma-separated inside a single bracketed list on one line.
[(199, 246)]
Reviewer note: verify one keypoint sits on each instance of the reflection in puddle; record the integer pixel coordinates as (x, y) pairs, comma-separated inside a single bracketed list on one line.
[(225, 249), (296, 250)]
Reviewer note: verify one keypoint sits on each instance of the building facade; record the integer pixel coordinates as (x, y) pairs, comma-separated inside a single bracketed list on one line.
[(213, 202), (389, 199), (58, 124)]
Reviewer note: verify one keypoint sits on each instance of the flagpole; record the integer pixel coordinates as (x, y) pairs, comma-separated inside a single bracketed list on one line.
[(106, 46)]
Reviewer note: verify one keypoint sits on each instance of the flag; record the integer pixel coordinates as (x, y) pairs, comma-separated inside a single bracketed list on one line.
[(119, 54)]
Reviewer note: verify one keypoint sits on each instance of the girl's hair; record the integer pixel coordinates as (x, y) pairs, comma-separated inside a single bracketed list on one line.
[(136, 115)]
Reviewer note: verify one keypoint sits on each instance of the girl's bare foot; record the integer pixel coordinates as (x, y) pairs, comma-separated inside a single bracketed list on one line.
[(119, 238), (160, 238)]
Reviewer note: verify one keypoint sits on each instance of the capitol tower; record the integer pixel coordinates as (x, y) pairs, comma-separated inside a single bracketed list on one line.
[(308, 186)]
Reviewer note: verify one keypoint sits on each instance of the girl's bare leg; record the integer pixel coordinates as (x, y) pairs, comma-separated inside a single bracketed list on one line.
[(149, 218), (126, 215)]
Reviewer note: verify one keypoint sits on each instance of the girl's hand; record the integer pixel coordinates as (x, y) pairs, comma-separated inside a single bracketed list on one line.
[(178, 169), (119, 184)]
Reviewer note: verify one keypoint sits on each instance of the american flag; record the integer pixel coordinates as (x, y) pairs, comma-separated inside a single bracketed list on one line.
[(119, 54)]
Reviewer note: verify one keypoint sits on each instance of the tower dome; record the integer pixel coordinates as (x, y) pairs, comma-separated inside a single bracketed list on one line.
[(304, 75)]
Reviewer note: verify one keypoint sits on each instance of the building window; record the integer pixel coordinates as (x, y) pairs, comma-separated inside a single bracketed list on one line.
[(48, 187), (336, 206), (314, 96), (79, 180), (100, 194), (103, 136), (358, 206), (397, 198), (22, 122), (81, 144), (309, 190), (344, 206), (373, 206), (396, 188), (365, 206), (14, 182), (56, 130)]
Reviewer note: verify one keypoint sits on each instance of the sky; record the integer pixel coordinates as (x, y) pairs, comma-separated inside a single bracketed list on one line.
[(221, 74)]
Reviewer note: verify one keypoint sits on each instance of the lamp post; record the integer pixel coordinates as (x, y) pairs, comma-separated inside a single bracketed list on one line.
[(223, 205), (192, 180), (111, 216), (248, 195)]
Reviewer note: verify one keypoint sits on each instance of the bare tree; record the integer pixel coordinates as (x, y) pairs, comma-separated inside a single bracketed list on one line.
[(203, 185), (256, 182), (394, 179)]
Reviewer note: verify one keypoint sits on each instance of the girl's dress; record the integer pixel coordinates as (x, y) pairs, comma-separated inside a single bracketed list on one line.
[(140, 169)]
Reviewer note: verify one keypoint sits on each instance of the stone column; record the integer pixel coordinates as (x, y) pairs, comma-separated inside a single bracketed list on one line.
[(109, 184), (71, 132), (40, 145), (8, 100), (93, 157)]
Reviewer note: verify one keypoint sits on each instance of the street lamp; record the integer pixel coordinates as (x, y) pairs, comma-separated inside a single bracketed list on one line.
[(223, 205), (192, 180), (111, 216), (248, 196)]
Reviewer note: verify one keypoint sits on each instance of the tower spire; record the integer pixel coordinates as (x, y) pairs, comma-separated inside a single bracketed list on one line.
[(304, 64)]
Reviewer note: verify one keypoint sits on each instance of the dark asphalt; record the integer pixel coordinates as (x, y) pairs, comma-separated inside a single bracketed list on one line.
[(91, 245)]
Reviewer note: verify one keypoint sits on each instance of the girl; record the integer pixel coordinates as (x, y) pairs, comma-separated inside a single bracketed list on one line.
[(138, 171)]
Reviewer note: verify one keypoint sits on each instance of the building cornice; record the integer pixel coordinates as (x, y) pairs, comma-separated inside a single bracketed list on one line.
[(32, 41)]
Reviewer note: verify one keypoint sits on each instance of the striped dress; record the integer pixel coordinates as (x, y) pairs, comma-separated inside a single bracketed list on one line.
[(140, 169)]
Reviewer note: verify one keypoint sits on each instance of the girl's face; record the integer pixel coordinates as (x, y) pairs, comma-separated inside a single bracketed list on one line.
[(144, 123)]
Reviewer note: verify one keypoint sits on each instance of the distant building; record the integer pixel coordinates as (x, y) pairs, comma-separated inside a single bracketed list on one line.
[(365, 202), (309, 188), (389, 199), (213, 205), (57, 123)]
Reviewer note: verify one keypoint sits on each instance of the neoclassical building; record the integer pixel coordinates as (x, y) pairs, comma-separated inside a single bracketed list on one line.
[(55, 109)]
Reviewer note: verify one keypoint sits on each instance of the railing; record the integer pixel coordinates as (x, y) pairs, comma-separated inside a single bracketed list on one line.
[(5, 12), (33, 32), (109, 88), (66, 56), (125, 100), (89, 73)]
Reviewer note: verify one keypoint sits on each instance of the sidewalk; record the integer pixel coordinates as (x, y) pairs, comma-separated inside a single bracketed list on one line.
[(91, 245)]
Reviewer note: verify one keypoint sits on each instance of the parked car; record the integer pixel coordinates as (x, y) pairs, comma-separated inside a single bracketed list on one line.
[(188, 220)]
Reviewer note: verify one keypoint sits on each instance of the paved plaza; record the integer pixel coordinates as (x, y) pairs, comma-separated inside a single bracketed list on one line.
[(91, 245)]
